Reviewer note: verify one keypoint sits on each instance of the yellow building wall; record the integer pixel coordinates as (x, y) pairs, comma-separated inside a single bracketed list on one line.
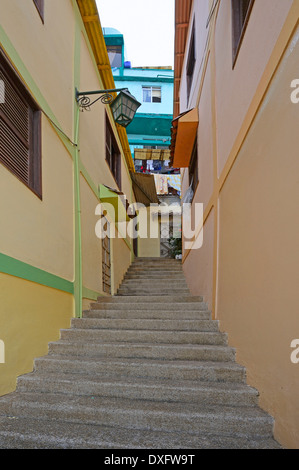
[(30, 317)]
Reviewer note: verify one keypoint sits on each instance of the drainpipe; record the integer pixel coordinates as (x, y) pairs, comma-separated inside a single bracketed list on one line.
[(78, 234)]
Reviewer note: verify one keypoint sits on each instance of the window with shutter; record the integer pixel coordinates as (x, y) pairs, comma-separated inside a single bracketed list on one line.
[(191, 61), (20, 127), (241, 10), (40, 8), (193, 169), (113, 156)]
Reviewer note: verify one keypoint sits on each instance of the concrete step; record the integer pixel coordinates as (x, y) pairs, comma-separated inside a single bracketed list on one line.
[(137, 388), (155, 286), (192, 352), (166, 283), (141, 414), (156, 258), (149, 278), (155, 306), (145, 324), (155, 269), (126, 313), (153, 274), (157, 262), (228, 372), (182, 299), (28, 433), (150, 291), (143, 336), (160, 264), (169, 274)]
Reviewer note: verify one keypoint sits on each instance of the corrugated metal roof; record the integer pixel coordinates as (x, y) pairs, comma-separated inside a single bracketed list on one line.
[(144, 188), (151, 154), (91, 19)]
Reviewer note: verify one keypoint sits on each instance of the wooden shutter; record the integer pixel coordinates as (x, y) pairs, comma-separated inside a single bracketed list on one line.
[(19, 130), (14, 131), (106, 263), (113, 156)]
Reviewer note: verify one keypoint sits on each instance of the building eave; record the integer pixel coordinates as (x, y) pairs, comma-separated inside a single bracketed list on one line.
[(182, 18)]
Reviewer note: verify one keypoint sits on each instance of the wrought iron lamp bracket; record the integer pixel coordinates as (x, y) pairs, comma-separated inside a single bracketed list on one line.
[(106, 97)]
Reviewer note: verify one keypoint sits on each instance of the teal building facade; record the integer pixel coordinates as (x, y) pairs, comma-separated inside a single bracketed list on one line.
[(150, 130)]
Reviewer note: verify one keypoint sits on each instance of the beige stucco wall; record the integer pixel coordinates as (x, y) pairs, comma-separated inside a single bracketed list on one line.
[(247, 268), (46, 51), (235, 89), (258, 252), (32, 223), (38, 232), (202, 283), (50, 59), (91, 245), (92, 130), (121, 259), (149, 241), (200, 11), (93, 158)]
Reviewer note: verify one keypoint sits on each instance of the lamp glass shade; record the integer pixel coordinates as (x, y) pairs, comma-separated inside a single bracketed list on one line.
[(124, 108)]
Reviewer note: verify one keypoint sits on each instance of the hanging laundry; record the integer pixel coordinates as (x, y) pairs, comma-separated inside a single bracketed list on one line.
[(161, 183)]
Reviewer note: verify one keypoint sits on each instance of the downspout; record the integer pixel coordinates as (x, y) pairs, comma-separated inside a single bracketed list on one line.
[(78, 233), (78, 282)]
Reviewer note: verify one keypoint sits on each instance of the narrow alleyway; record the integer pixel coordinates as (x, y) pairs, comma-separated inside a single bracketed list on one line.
[(147, 368)]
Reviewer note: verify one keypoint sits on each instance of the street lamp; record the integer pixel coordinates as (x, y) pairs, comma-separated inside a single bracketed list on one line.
[(123, 107)]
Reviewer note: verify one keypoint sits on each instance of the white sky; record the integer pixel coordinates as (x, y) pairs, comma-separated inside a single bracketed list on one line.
[(147, 26)]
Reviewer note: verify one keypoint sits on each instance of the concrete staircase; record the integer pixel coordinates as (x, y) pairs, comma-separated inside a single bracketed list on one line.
[(146, 369)]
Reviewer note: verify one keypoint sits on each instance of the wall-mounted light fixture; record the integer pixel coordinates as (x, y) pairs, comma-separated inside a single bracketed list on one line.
[(123, 107)]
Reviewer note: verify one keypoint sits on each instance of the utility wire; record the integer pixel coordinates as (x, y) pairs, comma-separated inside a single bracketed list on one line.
[(60, 130)]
